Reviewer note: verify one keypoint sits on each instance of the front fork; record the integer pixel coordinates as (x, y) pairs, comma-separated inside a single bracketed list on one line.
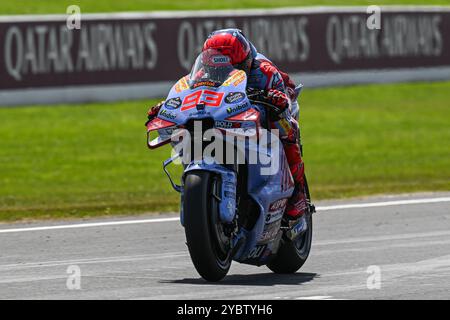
[(226, 195)]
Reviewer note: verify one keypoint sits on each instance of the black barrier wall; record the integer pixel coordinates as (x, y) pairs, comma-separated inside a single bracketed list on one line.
[(41, 52)]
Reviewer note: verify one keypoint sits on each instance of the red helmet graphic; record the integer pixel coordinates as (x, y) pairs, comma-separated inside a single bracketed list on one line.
[(231, 43)]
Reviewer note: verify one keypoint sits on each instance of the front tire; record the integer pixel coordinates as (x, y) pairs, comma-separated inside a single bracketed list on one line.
[(206, 242)]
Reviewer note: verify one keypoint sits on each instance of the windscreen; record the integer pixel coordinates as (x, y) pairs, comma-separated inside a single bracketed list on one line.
[(211, 68)]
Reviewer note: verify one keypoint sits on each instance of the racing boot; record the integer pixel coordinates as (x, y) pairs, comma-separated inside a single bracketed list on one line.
[(297, 203), (294, 219)]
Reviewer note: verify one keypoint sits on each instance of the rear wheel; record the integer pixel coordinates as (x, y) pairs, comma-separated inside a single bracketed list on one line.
[(209, 247), (293, 254)]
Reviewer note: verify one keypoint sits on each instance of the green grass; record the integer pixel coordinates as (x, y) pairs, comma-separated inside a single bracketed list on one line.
[(59, 6), (377, 139), (87, 160)]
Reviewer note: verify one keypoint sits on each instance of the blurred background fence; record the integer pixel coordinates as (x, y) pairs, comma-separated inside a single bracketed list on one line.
[(122, 56)]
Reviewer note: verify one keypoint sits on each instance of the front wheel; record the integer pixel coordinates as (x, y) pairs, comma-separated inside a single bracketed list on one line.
[(208, 246)]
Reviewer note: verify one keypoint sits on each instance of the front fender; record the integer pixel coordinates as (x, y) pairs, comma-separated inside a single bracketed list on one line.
[(227, 205)]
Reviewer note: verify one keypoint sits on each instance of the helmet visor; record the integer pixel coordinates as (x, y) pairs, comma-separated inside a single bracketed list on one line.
[(211, 67)]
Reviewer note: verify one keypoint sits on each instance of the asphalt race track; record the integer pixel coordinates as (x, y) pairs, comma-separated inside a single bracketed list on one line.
[(407, 241)]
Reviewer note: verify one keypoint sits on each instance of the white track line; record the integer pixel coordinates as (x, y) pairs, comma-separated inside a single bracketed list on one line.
[(324, 208), (88, 225), (314, 298), (385, 203), (394, 237), (55, 263)]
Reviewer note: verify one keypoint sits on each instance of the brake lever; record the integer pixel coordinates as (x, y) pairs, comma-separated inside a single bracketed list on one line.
[(266, 104), (251, 92)]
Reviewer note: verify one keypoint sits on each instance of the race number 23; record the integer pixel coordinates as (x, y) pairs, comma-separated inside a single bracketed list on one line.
[(210, 99)]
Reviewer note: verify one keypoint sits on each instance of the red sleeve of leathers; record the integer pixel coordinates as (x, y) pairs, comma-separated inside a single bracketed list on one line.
[(287, 80)]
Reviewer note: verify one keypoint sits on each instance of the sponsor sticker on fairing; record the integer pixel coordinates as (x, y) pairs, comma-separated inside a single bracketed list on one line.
[(256, 252), (234, 97), (274, 216), (269, 234), (205, 84), (277, 205), (167, 114), (173, 103), (237, 108), (223, 124)]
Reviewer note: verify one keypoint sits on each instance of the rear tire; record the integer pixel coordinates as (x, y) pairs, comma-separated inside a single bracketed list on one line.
[(293, 254), (207, 245)]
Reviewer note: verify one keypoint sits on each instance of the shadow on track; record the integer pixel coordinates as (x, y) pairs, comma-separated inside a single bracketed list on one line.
[(260, 279)]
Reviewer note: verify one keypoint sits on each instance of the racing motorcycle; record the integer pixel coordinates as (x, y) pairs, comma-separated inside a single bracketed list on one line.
[(230, 210)]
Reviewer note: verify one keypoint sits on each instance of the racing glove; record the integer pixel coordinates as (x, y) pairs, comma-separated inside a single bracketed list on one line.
[(153, 112), (278, 99), (275, 101)]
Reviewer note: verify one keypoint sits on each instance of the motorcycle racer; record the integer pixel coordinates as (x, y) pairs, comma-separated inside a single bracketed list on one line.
[(279, 88)]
